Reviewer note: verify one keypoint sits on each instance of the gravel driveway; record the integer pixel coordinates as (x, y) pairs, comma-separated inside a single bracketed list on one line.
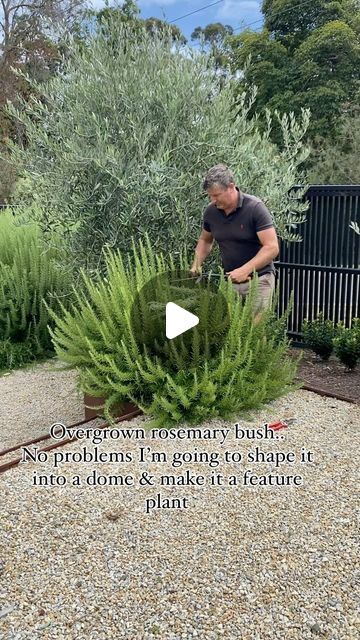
[(239, 563)]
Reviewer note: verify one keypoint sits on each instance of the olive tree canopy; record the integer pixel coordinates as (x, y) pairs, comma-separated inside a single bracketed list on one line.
[(123, 135)]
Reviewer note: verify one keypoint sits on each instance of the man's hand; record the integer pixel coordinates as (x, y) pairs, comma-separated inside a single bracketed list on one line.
[(239, 275), (202, 250)]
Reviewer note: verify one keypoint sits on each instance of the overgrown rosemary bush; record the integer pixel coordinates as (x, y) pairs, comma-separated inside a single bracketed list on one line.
[(29, 274), (319, 335), (96, 336), (123, 135)]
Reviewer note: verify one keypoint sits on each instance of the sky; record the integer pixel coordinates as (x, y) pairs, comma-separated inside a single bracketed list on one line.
[(236, 13)]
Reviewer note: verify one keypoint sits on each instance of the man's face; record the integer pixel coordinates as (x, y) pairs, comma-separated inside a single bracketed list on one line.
[(221, 197)]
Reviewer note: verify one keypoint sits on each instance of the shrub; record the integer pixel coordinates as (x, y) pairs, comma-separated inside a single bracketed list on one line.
[(347, 344), (96, 336), (29, 274), (319, 335), (15, 355), (123, 135)]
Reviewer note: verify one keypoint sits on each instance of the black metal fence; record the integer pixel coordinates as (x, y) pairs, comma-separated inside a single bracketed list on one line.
[(323, 270)]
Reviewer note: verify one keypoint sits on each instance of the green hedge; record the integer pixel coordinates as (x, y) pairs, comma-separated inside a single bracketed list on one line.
[(324, 337), (30, 274), (347, 344)]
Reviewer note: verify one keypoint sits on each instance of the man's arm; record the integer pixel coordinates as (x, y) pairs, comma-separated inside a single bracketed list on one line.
[(268, 251), (203, 248)]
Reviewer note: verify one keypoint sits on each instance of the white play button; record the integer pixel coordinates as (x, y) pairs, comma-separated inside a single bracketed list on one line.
[(178, 320)]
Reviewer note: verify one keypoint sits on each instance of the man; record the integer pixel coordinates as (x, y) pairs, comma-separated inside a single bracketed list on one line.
[(244, 230)]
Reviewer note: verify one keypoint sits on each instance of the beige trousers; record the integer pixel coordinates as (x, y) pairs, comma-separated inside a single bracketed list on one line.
[(265, 292)]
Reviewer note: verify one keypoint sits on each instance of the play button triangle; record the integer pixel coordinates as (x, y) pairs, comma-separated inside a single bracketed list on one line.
[(178, 320)]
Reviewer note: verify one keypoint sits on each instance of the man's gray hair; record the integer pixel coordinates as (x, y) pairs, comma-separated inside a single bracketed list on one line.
[(219, 174)]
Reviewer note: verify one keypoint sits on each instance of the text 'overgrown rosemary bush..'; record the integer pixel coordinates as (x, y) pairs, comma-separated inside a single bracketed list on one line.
[(121, 139), (29, 275), (96, 336)]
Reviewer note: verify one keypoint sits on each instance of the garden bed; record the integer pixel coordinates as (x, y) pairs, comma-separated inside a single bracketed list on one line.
[(329, 375)]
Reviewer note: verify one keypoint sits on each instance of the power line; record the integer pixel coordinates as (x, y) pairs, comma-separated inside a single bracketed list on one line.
[(196, 11)]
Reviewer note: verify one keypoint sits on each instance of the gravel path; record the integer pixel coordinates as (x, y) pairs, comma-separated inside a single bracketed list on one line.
[(33, 399), (240, 563)]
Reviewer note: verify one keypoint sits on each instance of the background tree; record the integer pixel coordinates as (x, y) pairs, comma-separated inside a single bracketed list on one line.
[(154, 25), (30, 37), (305, 56), (213, 37), (213, 33), (338, 163), (129, 12)]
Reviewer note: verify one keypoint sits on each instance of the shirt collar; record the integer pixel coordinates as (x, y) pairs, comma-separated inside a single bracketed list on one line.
[(241, 198)]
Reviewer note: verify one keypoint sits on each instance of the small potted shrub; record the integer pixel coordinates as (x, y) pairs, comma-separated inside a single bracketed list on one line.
[(347, 344), (319, 336)]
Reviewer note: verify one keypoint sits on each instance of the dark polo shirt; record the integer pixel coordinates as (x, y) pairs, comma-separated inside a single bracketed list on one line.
[(236, 232)]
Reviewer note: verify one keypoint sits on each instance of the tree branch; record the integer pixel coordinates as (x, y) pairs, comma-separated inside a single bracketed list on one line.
[(25, 5)]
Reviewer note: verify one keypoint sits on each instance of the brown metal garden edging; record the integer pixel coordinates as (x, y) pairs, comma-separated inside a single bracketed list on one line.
[(329, 394), (46, 436), (55, 445)]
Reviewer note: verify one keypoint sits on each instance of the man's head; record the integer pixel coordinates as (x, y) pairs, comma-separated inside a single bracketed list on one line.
[(219, 183)]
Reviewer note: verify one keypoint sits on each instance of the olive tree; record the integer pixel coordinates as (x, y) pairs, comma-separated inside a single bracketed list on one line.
[(120, 139)]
